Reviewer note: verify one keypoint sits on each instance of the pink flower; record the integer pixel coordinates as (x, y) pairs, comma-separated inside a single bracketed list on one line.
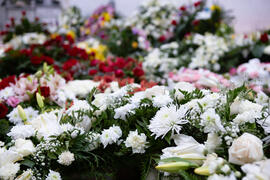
[(13, 101), (254, 75), (232, 71)]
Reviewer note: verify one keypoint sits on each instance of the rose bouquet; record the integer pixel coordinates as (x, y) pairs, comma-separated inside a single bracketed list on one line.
[(13, 30), (59, 51)]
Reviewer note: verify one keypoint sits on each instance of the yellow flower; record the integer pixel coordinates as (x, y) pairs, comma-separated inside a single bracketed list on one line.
[(106, 16), (134, 44), (215, 8), (203, 170), (72, 34)]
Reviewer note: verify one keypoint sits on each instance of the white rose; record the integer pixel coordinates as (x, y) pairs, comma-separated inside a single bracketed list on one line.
[(239, 106), (246, 149), (24, 147), (155, 91)]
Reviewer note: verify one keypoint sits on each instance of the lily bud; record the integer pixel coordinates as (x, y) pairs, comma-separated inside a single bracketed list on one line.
[(40, 100), (21, 113), (38, 74), (174, 167), (203, 170), (45, 68)]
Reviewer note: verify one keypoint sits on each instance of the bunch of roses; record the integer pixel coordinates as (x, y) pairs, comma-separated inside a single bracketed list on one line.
[(120, 67), (57, 51)]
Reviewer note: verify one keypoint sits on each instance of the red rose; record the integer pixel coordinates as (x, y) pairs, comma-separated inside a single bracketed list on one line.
[(36, 19), (264, 38), (162, 38), (195, 22), (48, 59), (44, 91), (35, 60), (69, 64), (198, 3), (104, 68), (183, 8), (94, 62), (174, 22), (138, 71), (120, 62), (7, 81), (7, 26), (23, 13), (3, 111), (119, 73), (92, 72)]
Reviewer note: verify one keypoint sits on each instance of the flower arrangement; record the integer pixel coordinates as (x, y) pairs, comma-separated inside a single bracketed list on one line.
[(95, 23), (70, 20), (13, 29), (186, 128)]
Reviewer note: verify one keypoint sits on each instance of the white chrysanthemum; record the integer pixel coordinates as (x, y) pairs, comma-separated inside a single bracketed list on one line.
[(262, 98), (21, 131), (211, 122), (111, 135), (9, 170), (162, 100), (167, 119), (136, 142), (184, 86), (53, 176), (122, 112), (79, 105), (100, 102), (6, 93), (66, 158), (14, 116), (222, 177)]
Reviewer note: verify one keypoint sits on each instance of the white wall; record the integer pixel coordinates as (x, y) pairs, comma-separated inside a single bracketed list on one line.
[(250, 14)]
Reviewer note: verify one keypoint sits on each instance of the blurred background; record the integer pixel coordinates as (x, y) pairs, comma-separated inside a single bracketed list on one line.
[(249, 15)]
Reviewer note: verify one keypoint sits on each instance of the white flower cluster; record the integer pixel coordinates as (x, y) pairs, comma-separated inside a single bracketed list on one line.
[(211, 48), (66, 158), (27, 39), (154, 18), (111, 135)]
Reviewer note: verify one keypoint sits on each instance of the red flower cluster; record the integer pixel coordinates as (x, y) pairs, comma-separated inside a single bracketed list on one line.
[(44, 91), (3, 111), (7, 81), (36, 60), (119, 67)]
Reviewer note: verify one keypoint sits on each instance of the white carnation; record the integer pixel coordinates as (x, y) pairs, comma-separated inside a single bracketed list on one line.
[(136, 142), (66, 158)]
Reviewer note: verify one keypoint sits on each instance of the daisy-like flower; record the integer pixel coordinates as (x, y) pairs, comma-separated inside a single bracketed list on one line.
[(21, 131), (211, 122), (167, 119), (136, 142), (14, 116)]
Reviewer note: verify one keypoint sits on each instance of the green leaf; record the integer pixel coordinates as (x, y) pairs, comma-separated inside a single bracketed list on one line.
[(28, 163)]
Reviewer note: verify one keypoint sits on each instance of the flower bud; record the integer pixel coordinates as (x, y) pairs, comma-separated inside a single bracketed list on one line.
[(203, 170), (21, 113), (174, 167), (40, 100)]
